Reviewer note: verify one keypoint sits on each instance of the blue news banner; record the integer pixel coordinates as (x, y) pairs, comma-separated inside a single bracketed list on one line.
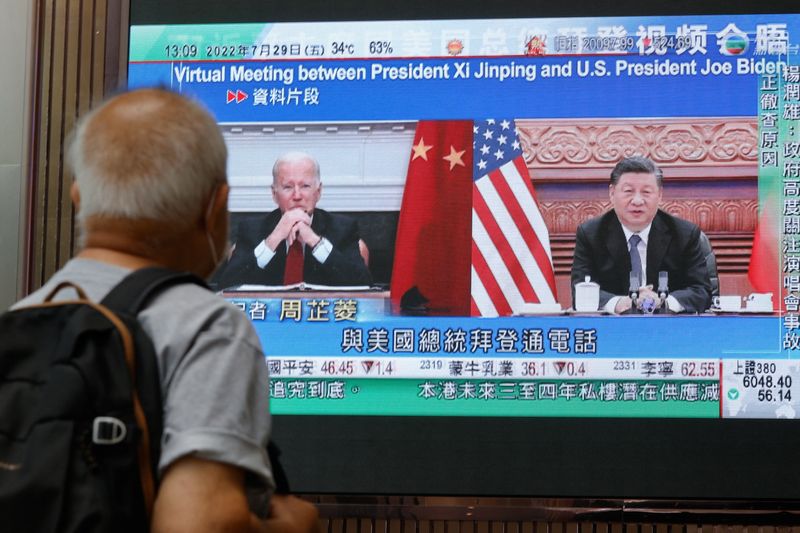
[(354, 356), (459, 88), (634, 336)]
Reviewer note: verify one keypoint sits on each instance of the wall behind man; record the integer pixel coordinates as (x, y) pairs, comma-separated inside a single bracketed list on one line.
[(16, 39)]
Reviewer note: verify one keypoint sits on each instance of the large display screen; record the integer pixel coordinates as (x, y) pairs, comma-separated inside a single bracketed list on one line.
[(463, 245)]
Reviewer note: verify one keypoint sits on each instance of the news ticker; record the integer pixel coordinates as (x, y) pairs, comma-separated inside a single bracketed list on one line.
[(735, 388)]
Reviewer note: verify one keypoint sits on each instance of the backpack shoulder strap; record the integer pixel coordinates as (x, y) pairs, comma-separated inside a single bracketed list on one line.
[(133, 293), (128, 298)]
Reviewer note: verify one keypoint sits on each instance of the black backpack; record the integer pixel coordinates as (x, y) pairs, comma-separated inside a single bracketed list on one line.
[(80, 411)]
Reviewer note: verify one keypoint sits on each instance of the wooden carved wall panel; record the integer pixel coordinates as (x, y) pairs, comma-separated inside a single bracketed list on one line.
[(581, 143), (735, 142), (564, 217), (709, 155), (716, 216), (713, 216)]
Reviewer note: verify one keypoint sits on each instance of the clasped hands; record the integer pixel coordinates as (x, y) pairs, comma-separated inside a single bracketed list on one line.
[(295, 224), (645, 293)]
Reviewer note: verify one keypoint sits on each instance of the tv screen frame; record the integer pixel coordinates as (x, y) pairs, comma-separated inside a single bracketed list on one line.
[(513, 456)]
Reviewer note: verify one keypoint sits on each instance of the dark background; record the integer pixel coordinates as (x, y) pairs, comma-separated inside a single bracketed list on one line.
[(553, 457), (208, 11)]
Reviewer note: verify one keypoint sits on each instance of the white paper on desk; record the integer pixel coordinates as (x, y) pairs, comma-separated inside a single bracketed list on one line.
[(312, 287), (252, 287), (296, 286), (540, 309)]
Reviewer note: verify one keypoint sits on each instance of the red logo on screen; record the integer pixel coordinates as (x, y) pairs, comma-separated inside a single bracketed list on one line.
[(536, 46), (237, 96), (455, 47)]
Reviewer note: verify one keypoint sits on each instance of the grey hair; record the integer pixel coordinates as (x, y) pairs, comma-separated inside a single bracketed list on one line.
[(294, 157), (639, 165), (147, 154)]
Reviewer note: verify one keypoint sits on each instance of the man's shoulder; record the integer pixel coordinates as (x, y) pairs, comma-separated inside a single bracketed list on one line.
[(181, 313), (94, 278), (188, 300), (675, 223), (250, 222), (604, 221), (595, 224), (179, 310), (338, 217), (336, 220), (249, 229)]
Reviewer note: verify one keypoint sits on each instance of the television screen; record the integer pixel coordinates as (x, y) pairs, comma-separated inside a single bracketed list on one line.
[(432, 246)]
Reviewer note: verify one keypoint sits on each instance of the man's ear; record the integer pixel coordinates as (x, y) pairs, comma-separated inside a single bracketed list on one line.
[(218, 206), (75, 195), (317, 194)]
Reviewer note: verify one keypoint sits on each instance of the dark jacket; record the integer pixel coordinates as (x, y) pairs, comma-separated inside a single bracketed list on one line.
[(344, 265), (601, 252)]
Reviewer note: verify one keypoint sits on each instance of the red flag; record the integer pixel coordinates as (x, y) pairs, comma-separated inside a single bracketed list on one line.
[(471, 238), (433, 246)]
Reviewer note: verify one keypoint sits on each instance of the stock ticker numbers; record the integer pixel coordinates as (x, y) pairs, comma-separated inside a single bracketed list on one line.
[(487, 361), (760, 388), (466, 367)]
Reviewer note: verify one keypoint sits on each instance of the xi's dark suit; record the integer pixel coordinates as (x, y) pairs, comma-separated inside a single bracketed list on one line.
[(344, 265), (673, 245)]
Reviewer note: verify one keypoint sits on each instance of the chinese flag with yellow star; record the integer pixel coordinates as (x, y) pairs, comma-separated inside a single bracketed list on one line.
[(433, 247), (471, 238)]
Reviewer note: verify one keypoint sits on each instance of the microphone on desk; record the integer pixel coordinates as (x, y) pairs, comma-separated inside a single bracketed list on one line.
[(633, 290), (663, 288)]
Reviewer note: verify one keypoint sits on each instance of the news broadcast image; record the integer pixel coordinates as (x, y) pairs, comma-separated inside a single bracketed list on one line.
[(467, 154)]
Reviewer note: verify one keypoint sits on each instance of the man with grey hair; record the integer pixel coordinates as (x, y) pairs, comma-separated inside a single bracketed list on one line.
[(297, 242), (637, 238), (151, 190)]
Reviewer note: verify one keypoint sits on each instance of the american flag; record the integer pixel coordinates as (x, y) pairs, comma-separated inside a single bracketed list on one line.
[(511, 259)]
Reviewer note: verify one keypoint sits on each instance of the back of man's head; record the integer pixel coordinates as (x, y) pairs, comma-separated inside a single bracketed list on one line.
[(147, 155)]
